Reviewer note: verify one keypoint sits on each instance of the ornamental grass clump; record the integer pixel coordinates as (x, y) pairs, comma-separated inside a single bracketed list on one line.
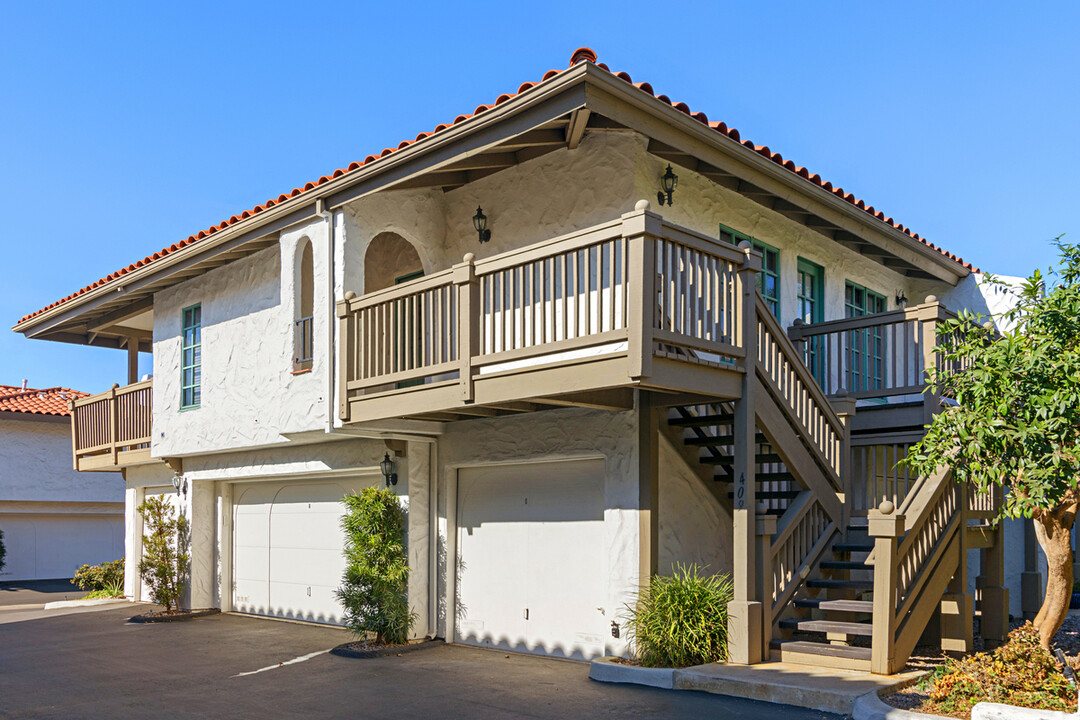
[(1020, 672), (374, 590), (681, 620)]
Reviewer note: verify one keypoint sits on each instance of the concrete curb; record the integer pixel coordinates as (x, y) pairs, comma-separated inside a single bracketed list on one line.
[(998, 711), (60, 604), (872, 707), (346, 652), (610, 670), (180, 617)]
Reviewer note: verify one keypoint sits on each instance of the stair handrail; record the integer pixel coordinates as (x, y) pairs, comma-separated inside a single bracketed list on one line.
[(817, 421), (801, 538)]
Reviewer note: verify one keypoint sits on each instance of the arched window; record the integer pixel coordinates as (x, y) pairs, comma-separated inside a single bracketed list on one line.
[(304, 350)]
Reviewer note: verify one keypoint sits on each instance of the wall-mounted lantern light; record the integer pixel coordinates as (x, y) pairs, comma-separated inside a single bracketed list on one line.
[(901, 299), (479, 222), (387, 466), (179, 483), (668, 182)]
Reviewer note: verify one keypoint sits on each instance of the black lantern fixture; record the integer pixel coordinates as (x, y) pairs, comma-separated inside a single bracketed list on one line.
[(668, 181), (901, 299), (179, 483), (479, 222), (387, 466)]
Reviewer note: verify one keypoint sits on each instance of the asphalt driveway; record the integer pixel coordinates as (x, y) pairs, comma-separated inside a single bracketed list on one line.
[(93, 665)]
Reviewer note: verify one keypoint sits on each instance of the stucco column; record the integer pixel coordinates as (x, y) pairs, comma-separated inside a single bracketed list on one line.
[(133, 531), (648, 467), (418, 489), (202, 515)]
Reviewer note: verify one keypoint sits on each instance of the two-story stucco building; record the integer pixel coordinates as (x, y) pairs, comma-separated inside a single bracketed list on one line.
[(597, 334), (54, 519)]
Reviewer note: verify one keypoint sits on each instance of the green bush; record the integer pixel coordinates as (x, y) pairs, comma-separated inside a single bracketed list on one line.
[(3, 552), (165, 562), (100, 577), (680, 620), (374, 590), (1020, 672)]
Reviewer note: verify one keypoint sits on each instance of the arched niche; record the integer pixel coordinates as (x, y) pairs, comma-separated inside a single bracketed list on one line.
[(304, 307), (388, 258)]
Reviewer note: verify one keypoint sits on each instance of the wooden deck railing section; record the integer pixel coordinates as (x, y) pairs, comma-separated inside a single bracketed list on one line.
[(803, 534), (112, 429), (873, 356), (626, 291)]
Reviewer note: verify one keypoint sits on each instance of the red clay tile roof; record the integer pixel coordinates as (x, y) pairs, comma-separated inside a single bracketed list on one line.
[(583, 54), (50, 401)]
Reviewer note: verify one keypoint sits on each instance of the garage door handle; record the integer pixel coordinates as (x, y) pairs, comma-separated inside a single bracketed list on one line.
[(526, 613)]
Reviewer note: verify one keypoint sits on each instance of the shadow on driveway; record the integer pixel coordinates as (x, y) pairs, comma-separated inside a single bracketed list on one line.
[(29, 592), (95, 665)]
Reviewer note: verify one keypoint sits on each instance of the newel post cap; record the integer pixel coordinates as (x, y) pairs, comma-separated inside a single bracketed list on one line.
[(885, 521), (350, 295), (643, 205)]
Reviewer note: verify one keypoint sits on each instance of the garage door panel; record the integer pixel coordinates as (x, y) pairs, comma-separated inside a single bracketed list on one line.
[(288, 548), (530, 540), (53, 546)]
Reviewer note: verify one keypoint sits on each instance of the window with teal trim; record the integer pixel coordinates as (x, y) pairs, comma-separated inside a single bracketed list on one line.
[(810, 294), (191, 358), (866, 346), (768, 280)]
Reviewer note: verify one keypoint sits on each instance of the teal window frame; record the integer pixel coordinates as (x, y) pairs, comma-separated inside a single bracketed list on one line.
[(191, 357), (866, 346), (811, 309), (768, 280)]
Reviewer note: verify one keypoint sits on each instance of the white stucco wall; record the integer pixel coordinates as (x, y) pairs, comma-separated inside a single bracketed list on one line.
[(36, 466), (250, 395)]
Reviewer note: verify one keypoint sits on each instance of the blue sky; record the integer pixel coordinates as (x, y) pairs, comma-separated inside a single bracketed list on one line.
[(126, 127)]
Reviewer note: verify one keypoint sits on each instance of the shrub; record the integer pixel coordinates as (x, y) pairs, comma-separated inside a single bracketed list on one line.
[(374, 590), (3, 552), (680, 620), (100, 577), (1020, 672), (165, 561)]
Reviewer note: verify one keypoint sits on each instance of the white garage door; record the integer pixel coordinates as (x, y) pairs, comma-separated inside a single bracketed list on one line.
[(287, 548), (53, 546), (531, 561)]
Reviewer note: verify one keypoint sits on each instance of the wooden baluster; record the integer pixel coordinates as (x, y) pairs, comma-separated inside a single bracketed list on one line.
[(885, 526)]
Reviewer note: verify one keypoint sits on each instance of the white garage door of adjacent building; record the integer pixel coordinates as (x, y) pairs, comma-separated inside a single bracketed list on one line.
[(531, 563), (53, 546), (287, 548)]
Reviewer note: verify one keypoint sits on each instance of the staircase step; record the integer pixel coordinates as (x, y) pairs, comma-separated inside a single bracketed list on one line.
[(852, 547), (773, 495), (841, 584), (844, 565), (702, 420), (760, 459), (821, 654), (829, 626), (721, 440), (848, 606), (761, 477)]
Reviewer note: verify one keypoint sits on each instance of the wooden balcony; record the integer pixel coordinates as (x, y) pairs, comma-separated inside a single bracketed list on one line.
[(581, 319), (112, 430), (880, 360)]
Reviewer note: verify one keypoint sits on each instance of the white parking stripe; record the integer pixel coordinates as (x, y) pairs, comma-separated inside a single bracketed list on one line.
[(300, 659)]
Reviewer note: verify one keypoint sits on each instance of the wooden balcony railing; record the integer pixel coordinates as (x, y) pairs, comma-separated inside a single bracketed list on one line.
[(626, 303), (873, 356), (112, 430)]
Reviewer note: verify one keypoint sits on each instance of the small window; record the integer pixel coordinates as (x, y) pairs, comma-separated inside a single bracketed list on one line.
[(768, 280), (191, 358), (304, 340)]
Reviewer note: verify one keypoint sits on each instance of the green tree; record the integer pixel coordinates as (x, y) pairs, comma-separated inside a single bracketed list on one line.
[(374, 590), (1016, 418), (165, 562)]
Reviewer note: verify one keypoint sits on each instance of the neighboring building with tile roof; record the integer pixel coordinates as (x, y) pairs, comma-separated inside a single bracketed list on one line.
[(54, 519), (589, 332)]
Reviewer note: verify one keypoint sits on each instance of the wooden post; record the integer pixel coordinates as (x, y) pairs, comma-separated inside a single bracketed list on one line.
[(745, 620), (765, 529), (844, 406), (132, 359), (928, 317), (885, 526), (346, 352), (468, 321), (641, 229), (113, 420), (995, 596), (957, 604)]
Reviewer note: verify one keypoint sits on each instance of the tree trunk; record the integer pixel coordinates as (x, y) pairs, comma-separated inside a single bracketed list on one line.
[(1054, 531)]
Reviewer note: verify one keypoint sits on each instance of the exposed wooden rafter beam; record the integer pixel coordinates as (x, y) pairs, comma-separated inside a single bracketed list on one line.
[(579, 120)]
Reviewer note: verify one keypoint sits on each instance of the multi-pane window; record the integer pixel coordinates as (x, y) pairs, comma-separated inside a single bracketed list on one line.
[(866, 346), (810, 294), (768, 280), (191, 357)]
